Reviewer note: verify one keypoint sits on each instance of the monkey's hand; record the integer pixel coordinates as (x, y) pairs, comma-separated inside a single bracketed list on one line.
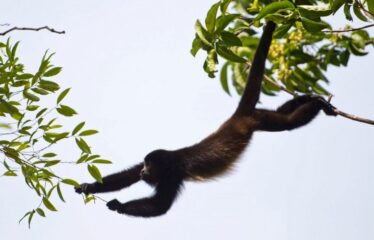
[(327, 107), (114, 205), (85, 188)]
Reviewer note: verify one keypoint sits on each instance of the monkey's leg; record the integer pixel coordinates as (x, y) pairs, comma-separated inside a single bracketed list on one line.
[(113, 182), (153, 206), (293, 104), (288, 120)]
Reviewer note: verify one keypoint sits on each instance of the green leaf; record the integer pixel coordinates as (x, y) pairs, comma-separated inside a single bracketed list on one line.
[(336, 4), (102, 161), (49, 205), (370, 4), (210, 20), (224, 21), (273, 8), (32, 107), (60, 193), (224, 6), (88, 132), (223, 78), (314, 26), (282, 30), (229, 55), (195, 46), (51, 163), (40, 212), (70, 182), (77, 128), (347, 12), (40, 113), (358, 13), (24, 76), (30, 96), (30, 217), (356, 50), (40, 91), (95, 173), (89, 198), (230, 39), (66, 111), (10, 173), (62, 95), (49, 85), (344, 57), (83, 145), (82, 158), (314, 11), (52, 72), (202, 33), (49, 155), (24, 216), (210, 63)]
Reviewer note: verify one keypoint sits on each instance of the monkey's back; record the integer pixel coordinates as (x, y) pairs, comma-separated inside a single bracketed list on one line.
[(216, 154)]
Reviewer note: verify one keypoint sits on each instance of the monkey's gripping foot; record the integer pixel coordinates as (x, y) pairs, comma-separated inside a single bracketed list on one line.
[(327, 107)]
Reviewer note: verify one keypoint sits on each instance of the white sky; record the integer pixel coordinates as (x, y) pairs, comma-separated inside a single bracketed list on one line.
[(134, 80)]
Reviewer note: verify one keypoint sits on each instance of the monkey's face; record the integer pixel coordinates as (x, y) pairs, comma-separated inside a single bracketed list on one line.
[(154, 164)]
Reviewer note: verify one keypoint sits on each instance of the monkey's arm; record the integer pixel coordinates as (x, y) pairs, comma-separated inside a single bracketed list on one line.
[(293, 114), (156, 205), (113, 182), (252, 90)]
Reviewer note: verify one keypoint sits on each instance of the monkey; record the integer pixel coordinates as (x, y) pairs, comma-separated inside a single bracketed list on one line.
[(166, 170)]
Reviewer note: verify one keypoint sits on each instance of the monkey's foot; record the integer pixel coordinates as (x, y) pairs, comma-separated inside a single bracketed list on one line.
[(327, 107)]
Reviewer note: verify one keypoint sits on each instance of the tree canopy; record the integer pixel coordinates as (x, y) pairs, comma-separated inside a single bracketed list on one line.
[(305, 43)]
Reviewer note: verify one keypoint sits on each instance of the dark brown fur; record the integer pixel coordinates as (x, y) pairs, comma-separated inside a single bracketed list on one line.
[(214, 155)]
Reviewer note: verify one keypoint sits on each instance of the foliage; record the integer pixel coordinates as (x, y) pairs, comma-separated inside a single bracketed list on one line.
[(304, 46), (29, 130)]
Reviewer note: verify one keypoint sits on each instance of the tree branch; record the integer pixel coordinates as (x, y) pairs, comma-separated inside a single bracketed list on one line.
[(360, 5), (348, 30), (337, 111), (31, 29)]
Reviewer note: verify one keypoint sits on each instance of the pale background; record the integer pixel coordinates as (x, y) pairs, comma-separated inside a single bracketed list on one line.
[(134, 80)]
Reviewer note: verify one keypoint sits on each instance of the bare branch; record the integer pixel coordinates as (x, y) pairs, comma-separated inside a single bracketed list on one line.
[(348, 30), (31, 29)]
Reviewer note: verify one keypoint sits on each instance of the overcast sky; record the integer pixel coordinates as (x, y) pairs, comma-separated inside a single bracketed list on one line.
[(134, 80)]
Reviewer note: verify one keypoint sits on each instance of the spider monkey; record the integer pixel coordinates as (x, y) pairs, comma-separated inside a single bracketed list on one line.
[(213, 156)]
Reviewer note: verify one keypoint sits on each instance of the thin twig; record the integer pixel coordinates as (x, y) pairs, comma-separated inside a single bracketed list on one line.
[(337, 111), (54, 175), (31, 29), (349, 30), (353, 117), (361, 6)]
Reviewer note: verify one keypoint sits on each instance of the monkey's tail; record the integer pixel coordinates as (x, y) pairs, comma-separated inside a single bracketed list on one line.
[(252, 90)]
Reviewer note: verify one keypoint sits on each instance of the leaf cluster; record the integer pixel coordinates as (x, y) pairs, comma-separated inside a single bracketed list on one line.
[(30, 129), (303, 48)]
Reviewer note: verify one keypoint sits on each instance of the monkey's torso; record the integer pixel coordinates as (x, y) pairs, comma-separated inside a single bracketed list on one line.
[(216, 154)]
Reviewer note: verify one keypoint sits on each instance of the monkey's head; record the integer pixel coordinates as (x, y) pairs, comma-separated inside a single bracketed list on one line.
[(155, 166)]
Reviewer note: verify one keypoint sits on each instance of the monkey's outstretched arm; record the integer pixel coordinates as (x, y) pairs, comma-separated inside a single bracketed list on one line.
[(252, 90), (113, 182), (158, 204)]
